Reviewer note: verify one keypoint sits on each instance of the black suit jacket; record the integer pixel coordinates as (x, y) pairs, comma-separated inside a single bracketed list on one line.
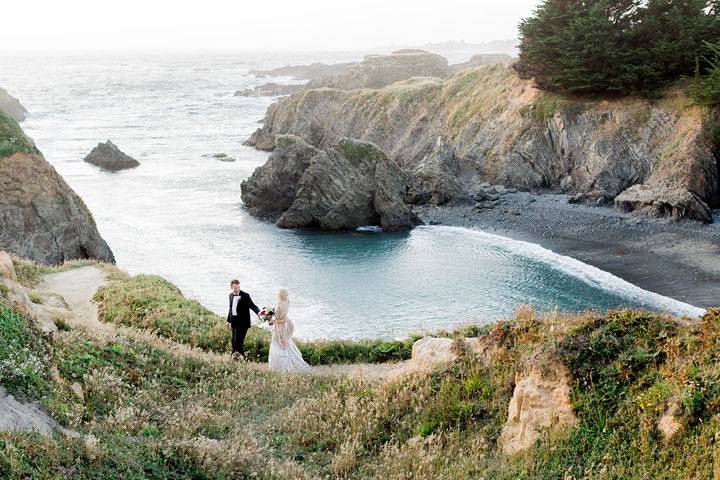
[(245, 304)]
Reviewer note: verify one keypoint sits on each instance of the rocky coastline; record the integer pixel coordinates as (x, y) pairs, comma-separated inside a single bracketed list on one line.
[(627, 185), (486, 124)]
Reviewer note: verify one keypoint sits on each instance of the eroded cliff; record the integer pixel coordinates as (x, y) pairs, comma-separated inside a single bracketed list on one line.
[(486, 124)]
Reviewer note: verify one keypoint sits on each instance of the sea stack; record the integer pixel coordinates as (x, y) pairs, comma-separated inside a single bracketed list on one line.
[(41, 217), (109, 157), (348, 185)]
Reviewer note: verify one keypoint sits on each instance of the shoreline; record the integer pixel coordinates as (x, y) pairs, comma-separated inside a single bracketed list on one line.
[(676, 259)]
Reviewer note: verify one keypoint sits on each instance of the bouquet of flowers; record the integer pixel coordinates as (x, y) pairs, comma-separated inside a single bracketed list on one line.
[(266, 315)]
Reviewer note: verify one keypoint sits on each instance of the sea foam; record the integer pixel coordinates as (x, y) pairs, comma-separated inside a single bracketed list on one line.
[(587, 273)]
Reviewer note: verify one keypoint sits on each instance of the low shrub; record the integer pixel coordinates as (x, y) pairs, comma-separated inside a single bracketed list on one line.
[(24, 356)]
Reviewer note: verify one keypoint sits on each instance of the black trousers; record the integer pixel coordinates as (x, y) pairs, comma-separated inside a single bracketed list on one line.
[(238, 339)]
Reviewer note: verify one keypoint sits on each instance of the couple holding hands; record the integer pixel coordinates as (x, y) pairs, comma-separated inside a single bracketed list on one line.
[(284, 356)]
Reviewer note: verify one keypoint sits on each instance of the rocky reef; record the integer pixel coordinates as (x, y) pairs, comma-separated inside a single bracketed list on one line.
[(12, 106), (485, 124), (345, 185), (269, 90), (303, 72), (41, 217), (109, 157)]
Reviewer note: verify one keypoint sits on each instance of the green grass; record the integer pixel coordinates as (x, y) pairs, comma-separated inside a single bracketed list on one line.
[(156, 413), (24, 356), (12, 138), (152, 303)]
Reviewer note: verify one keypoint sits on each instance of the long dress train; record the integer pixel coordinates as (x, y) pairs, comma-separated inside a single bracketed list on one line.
[(284, 355)]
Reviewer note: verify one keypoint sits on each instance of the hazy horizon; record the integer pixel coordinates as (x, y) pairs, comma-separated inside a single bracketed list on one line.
[(272, 26)]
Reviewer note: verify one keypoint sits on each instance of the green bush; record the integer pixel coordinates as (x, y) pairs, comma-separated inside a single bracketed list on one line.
[(24, 357), (12, 138), (705, 89)]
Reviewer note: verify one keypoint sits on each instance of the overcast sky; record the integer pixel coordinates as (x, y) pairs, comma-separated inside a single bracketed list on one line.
[(253, 26)]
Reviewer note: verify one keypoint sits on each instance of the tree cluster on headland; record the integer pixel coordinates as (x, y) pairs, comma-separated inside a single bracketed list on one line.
[(618, 46)]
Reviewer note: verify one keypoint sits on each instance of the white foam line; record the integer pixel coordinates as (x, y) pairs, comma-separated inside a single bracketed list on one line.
[(587, 273)]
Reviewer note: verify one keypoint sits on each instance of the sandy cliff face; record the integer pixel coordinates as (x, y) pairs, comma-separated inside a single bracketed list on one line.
[(486, 124), (41, 217)]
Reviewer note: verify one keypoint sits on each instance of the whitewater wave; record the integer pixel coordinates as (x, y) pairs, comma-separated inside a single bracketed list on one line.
[(587, 273)]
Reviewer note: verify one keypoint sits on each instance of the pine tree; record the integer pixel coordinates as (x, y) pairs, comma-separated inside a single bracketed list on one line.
[(624, 46)]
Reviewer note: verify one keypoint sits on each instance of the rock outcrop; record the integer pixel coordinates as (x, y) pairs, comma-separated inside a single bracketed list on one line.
[(344, 186), (41, 217), (12, 106), (304, 72), (269, 90), (540, 403), (15, 295), (377, 71), (486, 124), (662, 201), (109, 157)]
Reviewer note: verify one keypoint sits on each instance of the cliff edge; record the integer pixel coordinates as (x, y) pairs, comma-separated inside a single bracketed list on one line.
[(41, 217)]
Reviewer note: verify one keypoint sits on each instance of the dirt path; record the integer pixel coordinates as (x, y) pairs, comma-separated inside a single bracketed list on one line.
[(78, 286)]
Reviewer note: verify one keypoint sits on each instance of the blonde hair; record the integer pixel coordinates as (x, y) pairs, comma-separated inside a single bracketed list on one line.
[(282, 295)]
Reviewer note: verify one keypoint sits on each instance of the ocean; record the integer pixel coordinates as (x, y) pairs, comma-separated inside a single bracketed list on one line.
[(179, 214)]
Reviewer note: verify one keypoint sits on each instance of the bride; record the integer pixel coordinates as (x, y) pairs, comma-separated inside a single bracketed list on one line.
[(284, 356)]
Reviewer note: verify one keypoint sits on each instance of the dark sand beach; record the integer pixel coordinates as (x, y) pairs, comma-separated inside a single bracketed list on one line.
[(678, 259)]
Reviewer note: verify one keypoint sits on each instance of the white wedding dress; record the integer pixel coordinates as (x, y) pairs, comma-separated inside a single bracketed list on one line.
[(284, 355)]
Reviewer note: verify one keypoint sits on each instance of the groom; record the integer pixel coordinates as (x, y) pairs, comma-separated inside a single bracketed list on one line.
[(239, 318)]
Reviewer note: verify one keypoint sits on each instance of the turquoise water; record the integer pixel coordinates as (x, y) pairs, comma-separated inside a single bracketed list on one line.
[(179, 214)]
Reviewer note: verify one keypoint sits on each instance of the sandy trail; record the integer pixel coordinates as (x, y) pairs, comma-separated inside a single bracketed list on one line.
[(78, 286)]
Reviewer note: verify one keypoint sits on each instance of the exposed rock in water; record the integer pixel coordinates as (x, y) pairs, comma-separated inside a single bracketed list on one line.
[(540, 403), (377, 71), (269, 90), (109, 157), (498, 128), (664, 202), (223, 157), (347, 185), (479, 60), (304, 72), (12, 106), (41, 217)]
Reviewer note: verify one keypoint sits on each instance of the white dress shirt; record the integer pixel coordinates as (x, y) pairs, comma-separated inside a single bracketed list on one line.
[(236, 299)]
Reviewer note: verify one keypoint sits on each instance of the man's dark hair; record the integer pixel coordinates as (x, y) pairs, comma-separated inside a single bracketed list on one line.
[(234, 282)]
